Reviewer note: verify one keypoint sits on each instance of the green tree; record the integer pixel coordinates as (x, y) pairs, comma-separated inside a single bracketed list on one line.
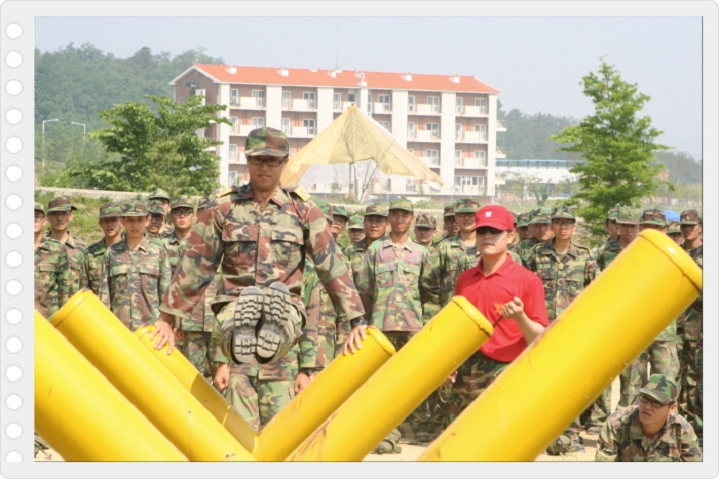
[(160, 150), (618, 146)]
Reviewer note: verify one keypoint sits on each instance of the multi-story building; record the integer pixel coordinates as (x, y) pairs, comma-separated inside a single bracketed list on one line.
[(448, 121)]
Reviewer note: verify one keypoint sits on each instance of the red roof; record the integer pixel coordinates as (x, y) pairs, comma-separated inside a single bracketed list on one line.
[(343, 79)]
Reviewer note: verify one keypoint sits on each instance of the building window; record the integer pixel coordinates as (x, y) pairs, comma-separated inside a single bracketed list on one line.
[(234, 97), (482, 156), (235, 129), (433, 156), (369, 102), (233, 178), (384, 100), (482, 104), (233, 152), (337, 101), (259, 96), (286, 99), (352, 98), (434, 102), (410, 103), (459, 105), (385, 125), (410, 130), (286, 126), (457, 132), (258, 122), (434, 130), (310, 125), (458, 158), (310, 97), (482, 129)]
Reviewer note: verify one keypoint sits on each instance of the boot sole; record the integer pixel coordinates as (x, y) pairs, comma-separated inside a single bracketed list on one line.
[(244, 335), (276, 314)]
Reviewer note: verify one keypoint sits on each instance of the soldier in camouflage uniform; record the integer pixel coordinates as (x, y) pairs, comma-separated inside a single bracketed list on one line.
[(690, 329), (161, 196), (258, 233), (135, 271), (539, 231), (675, 233), (59, 214), (375, 227), (391, 282), (425, 227), (52, 269), (111, 224), (523, 226), (156, 228), (449, 225), (182, 214), (651, 431), (565, 269), (355, 229), (339, 220)]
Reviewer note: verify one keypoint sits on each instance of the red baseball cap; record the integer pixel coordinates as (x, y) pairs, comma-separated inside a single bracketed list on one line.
[(494, 216)]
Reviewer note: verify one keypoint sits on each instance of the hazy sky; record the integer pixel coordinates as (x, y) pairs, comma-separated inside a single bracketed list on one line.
[(536, 62)]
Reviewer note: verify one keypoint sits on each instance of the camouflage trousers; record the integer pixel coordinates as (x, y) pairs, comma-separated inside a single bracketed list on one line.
[(599, 411), (662, 356), (475, 375), (691, 360), (258, 400), (332, 337), (197, 349)]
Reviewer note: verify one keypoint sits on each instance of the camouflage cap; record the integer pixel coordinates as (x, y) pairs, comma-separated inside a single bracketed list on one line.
[(324, 207), (134, 208), (612, 213), (690, 217), (181, 202), (401, 204), (466, 205), (110, 209), (425, 220), (156, 208), (448, 211), (563, 211), (267, 141), (626, 215), (653, 216), (159, 194), (60, 203), (39, 207), (202, 202), (376, 210), (662, 388), (356, 223), (674, 228), (540, 215), (522, 220), (339, 210)]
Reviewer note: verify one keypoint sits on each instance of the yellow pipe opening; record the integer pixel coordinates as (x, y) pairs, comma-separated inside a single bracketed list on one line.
[(99, 336), (308, 410), (81, 415), (577, 357), (399, 386)]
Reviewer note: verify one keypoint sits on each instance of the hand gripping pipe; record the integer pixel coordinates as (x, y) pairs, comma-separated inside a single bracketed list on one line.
[(207, 395), (92, 328), (309, 409), (81, 415), (399, 386), (577, 357)]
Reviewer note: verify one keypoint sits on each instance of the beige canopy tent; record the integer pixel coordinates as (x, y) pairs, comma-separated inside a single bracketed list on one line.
[(355, 137)]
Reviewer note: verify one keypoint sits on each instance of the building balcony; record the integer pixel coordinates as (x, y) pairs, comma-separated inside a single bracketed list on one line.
[(473, 111), (303, 105), (499, 154), (427, 110), (471, 163), (238, 159), (427, 135), (500, 127), (469, 190), (302, 132), (242, 130), (252, 103), (382, 108), (471, 137), (429, 161)]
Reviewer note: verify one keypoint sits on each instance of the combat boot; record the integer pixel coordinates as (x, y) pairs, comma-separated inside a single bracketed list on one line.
[(248, 312), (271, 330)]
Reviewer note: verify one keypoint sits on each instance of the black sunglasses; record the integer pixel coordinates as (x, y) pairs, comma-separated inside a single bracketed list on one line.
[(482, 230)]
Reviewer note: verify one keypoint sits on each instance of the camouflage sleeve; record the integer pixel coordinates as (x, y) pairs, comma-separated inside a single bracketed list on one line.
[(689, 444), (365, 284), (105, 280), (64, 280), (329, 265), (598, 253), (429, 288), (165, 274), (201, 257), (607, 447), (531, 260), (307, 357), (590, 270)]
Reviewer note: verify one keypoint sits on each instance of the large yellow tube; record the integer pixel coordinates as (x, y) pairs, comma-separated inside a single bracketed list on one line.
[(96, 333), (208, 396), (81, 415), (568, 367), (399, 386), (307, 411)]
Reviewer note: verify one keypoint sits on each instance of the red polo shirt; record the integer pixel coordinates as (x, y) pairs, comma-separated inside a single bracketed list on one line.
[(490, 293)]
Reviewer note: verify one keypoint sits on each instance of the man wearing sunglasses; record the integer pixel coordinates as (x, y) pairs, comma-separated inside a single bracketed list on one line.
[(650, 431), (257, 234), (508, 295)]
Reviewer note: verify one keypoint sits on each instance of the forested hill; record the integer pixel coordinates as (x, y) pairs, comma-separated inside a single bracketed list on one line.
[(74, 84), (527, 136)]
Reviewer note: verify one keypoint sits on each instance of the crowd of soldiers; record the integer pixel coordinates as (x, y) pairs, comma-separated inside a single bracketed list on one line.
[(254, 289)]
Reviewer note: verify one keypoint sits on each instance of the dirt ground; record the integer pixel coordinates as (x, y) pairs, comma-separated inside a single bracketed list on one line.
[(412, 452)]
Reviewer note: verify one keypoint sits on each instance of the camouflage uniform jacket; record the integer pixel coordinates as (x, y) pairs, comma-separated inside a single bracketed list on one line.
[(134, 283), (355, 255), (697, 254), (522, 249), (564, 277), (174, 249), (260, 247), (605, 253), (92, 263), (52, 276), (693, 321), (622, 440), (75, 251), (447, 262), (393, 285)]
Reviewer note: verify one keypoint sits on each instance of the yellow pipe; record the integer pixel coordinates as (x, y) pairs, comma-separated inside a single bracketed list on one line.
[(568, 367), (208, 396), (96, 333), (81, 415), (399, 386), (307, 411)]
